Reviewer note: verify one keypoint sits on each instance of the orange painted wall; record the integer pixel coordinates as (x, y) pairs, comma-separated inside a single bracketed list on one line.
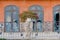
[(23, 6)]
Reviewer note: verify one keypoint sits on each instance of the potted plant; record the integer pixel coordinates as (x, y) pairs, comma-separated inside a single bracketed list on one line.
[(28, 15)]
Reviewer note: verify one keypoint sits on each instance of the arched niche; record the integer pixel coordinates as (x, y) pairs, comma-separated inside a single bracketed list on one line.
[(11, 18), (56, 17), (39, 11)]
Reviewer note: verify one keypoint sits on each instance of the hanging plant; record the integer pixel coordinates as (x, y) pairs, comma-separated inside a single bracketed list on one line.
[(27, 14)]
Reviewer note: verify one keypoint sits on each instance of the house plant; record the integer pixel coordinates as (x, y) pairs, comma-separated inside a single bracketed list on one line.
[(28, 14)]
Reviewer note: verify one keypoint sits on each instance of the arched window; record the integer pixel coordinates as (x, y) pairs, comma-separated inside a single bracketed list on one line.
[(56, 14), (39, 11), (11, 18)]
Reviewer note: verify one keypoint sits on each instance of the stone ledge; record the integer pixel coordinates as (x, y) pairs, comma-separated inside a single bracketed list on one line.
[(26, 35)]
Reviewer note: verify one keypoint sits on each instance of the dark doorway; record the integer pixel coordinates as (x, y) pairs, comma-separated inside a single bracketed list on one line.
[(57, 18), (57, 22)]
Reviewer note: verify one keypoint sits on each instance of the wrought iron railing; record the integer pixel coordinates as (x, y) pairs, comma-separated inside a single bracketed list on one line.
[(29, 27), (47, 28)]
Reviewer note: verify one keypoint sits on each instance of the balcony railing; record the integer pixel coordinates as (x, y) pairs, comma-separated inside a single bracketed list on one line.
[(48, 31), (29, 26)]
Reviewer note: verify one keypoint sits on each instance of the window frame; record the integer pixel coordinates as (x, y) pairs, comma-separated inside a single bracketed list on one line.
[(41, 9), (6, 10)]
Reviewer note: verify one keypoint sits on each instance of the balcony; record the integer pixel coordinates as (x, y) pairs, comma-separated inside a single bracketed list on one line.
[(28, 33)]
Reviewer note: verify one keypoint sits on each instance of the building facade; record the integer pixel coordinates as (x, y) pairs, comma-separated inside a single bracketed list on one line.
[(47, 11)]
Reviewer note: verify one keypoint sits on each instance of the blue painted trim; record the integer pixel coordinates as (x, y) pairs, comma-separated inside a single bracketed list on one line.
[(5, 14), (55, 8), (39, 7), (42, 9)]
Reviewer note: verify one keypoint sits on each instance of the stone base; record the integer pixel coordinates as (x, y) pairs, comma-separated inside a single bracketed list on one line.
[(34, 35)]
